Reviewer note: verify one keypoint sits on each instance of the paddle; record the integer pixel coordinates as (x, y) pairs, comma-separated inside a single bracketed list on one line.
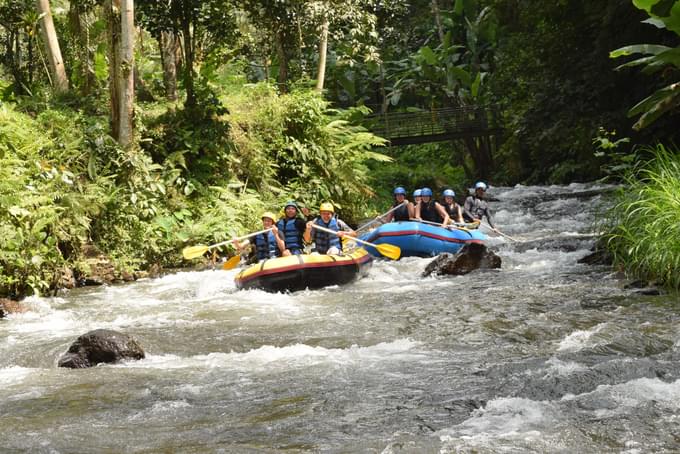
[(192, 252), (388, 250), (382, 215), (232, 262), (458, 225), (500, 233)]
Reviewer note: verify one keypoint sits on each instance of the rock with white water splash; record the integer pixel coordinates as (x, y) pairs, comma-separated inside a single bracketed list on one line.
[(10, 307), (100, 346), (469, 258)]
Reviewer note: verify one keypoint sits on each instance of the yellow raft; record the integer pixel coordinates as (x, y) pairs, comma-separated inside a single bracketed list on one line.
[(298, 272)]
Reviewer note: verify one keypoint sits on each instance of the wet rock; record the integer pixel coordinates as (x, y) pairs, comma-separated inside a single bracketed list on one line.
[(67, 279), (8, 306), (598, 257), (100, 346), (471, 257)]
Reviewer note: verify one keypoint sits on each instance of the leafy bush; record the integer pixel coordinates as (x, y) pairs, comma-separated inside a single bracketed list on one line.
[(294, 146), (46, 206), (643, 227)]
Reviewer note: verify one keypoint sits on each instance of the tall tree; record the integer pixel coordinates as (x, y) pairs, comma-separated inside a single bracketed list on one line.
[(121, 72), (323, 51), (52, 49)]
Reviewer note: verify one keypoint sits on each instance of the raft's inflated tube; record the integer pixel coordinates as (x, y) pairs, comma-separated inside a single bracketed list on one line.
[(299, 272)]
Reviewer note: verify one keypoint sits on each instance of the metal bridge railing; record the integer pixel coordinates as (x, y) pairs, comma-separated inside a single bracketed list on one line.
[(453, 121)]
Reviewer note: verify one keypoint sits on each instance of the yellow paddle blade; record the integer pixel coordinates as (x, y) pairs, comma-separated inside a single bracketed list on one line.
[(192, 252), (232, 263), (389, 250)]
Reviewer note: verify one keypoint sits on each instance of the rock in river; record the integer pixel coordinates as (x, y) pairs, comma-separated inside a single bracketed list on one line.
[(100, 346), (470, 257)]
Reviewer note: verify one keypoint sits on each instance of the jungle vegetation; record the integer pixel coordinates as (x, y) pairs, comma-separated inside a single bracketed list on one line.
[(135, 128)]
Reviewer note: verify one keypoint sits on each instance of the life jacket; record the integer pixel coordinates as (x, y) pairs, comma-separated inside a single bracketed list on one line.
[(476, 207), (428, 212), (323, 240), (401, 213), (452, 210), (265, 246), (291, 235)]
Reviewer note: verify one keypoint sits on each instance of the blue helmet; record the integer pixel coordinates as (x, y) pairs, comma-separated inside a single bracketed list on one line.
[(426, 192), (449, 193), (399, 190), (417, 193), (291, 203), (481, 185)]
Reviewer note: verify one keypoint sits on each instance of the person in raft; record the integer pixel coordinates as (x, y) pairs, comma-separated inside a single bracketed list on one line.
[(291, 228), (405, 211), (452, 208), (267, 245), (416, 198), (327, 243), (431, 210), (476, 206)]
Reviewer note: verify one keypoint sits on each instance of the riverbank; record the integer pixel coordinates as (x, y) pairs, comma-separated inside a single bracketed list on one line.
[(642, 229), (77, 207)]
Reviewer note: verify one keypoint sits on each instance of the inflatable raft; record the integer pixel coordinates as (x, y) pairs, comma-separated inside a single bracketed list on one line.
[(422, 240), (298, 272)]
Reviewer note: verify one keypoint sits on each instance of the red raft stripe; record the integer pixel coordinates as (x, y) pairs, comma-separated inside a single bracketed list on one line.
[(431, 235), (358, 261)]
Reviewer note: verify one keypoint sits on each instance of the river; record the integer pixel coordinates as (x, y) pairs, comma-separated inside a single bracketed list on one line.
[(543, 355)]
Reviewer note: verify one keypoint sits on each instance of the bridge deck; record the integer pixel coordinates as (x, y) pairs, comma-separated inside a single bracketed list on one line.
[(405, 128)]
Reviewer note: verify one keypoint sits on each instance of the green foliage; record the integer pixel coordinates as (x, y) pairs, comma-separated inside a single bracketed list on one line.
[(643, 227), (293, 145), (656, 58), (417, 166), (46, 206)]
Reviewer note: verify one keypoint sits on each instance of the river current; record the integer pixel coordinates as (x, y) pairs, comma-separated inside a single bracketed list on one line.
[(543, 355)]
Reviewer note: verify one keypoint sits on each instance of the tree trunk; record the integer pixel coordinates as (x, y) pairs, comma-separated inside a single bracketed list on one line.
[(168, 48), (438, 20), (283, 62), (52, 49), (112, 10), (188, 55), (323, 50), (127, 83)]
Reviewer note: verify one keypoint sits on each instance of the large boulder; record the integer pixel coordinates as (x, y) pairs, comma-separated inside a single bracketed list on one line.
[(470, 257), (100, 346)]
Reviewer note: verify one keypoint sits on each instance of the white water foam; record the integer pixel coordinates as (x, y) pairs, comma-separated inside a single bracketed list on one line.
[(563, 368), (505, 417), (579, 340), (290, 356)]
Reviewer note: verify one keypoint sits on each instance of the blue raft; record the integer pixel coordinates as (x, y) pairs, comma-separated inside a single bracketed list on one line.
[(417, 239)]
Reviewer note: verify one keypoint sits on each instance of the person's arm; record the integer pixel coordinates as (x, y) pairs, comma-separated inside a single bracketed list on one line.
[(279, 242), (307, 236), (442, 212), (459, 213), (387, 218), (487, 211), (467, 209), (411, 210), (417, 212), (241, 247), (344, 229)]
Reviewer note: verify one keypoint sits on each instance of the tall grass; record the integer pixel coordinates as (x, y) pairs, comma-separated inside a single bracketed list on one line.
[(643, 227)]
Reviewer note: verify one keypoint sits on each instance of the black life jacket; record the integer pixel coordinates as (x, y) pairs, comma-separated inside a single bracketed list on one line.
[(324, 240), (401, 213), (428, 212), (291, 235), (452, 210), (266, 246)]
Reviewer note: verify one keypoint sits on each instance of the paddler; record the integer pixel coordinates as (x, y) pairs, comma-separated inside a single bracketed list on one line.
[(327, 243)]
